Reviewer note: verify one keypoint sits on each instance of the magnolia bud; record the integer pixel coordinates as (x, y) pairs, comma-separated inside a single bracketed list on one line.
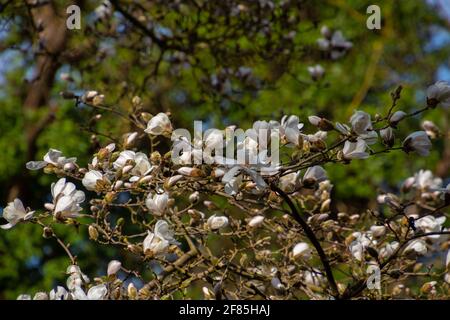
[(117, 185), (191, 172), (113, 267), (196, 214), (314, 120), (49, 169), (325, 207), (130, 138), (126, 169), (49, 206), (136, 101), (209, 204), (70, 166), (428, 287), (170, 182), (396, 118), (431, 129), (102, 153), (256, 221), (155, 157), (134, 249), (110, 196), (132, 291), (209, 295), (93, 233), (146, 116), (98, 100), (145, 179), (120, 222), (194, 197)]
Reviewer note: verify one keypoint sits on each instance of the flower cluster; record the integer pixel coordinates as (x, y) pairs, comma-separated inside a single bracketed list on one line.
[(273, 218)]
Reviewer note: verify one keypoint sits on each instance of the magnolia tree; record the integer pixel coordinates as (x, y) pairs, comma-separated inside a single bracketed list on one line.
[(247, 214)]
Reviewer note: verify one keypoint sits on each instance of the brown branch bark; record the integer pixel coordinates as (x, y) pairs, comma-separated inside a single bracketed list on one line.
[(312, 237), (52, 37)]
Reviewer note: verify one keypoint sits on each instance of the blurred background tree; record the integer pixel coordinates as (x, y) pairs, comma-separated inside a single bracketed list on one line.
[(223, 62)]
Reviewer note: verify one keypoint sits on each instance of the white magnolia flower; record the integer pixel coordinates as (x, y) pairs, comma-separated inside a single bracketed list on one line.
[(90, 179), (418, 245), (430, 224), (256, 221), (233, 178), (14, 213), (159, 125), (431, 129), (104, 10), (155, 245), (335, 43), (357, 250), (214, 139), (77, 277), (98, 292), (59, 293), (439, 93), (55, 158), (232, 185), (302, 250), (73, 281), (388, 249), (419, 142), (314, 175), (387, 135), (158, 242), (124, 158), (157, 204), (358, 246), (378, 231), (361, 122), (342, 128), (276, 283), (136, 163), (319, 135), (339, 45), (113, 267), (371, 137), (355, 150), (316, 72), (290, 182), (142, 165), (290, 129), (66, 199), (214, 222), (313, 278), (425, 181)]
